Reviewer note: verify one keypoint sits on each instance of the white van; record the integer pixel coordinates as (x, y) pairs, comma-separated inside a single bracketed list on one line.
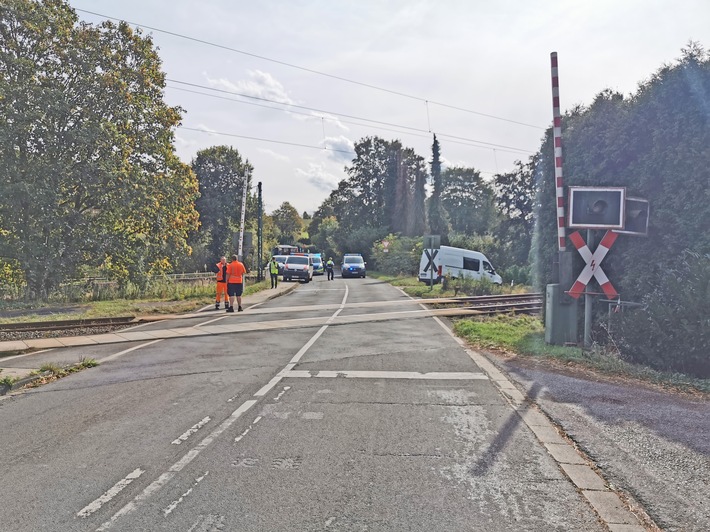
[(456, 263)]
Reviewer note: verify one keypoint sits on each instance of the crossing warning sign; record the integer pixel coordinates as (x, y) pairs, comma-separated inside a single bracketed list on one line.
[(593, 267)]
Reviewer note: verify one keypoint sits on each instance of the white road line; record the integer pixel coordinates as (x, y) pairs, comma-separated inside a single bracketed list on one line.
[(258, 418), (189, 432), (178, 466), (110, 494), (286, 388), (174, 504), (211, 321), (120, 353), (292, 363), (415, 375), (25, 354)]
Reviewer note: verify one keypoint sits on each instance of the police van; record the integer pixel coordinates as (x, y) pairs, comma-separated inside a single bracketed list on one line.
[(456, 263)]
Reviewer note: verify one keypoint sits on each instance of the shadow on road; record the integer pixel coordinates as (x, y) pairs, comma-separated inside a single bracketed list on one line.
[(503, 437)]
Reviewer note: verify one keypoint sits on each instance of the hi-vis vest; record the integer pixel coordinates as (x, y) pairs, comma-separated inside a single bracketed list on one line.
[(221, 270), (274, 267)]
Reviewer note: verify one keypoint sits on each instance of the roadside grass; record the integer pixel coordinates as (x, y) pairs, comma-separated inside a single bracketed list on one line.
[(525, 336), (179, 301), (413, 287), (51, 372), (7, 380)]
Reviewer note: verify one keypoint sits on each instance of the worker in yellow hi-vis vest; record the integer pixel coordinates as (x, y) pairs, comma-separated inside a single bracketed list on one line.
[(274, 271)]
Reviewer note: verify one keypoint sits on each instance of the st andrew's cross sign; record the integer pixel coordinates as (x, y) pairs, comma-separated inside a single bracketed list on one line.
[(593, 267)]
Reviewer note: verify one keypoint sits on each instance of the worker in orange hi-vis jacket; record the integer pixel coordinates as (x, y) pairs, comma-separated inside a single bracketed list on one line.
[(220, 270), (235, 283)]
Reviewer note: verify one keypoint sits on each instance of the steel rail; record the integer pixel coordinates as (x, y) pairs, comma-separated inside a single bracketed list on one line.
[(65, 324), (495, 304)]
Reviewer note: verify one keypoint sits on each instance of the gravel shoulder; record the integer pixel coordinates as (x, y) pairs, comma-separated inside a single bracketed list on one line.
[(652, 444)]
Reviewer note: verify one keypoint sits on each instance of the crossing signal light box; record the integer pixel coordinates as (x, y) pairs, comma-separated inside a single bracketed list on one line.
[(636, 217), (596, 207)]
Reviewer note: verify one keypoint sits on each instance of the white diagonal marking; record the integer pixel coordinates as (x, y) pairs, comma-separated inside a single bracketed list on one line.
[(110, 494)]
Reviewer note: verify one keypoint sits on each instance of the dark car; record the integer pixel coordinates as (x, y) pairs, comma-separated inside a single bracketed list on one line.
[(353, 266)]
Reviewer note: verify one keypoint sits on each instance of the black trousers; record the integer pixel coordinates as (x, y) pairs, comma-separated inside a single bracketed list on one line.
[(274, 280)]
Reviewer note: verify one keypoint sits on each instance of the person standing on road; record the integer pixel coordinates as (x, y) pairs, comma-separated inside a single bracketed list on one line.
[(329, 268), (221, 270), (274, 271), (235, 283)]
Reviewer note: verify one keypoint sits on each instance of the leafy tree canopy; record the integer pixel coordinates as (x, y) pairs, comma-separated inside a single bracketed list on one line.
[(88, 174), (288, 223), (222, 174)]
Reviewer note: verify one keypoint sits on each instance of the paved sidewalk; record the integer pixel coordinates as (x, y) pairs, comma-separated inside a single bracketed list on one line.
[(132, 336)]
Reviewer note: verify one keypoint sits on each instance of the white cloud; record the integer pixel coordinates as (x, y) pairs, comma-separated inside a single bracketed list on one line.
[(259, 85), (318, 176), (206, 129), (340, 148), (274, 155)]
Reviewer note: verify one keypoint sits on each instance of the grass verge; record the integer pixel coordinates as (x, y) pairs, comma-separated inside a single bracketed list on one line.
[(171, 304), (525, 336)]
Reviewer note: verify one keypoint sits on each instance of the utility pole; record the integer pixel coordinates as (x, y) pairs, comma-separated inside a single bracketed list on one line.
[(244, 211), (260, 239)]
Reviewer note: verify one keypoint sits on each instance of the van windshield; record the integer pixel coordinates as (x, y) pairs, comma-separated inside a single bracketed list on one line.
[(297, 260), (488, 268), (353, 260)]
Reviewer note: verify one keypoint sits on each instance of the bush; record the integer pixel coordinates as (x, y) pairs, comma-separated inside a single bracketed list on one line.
[(401, 258), (672, 332), (465, 286), (517, 274)]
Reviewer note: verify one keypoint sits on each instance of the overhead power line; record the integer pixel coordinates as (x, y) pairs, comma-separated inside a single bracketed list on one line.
[(312, 71), (266, 140), (474, 142), (410, 133), (322, 148)]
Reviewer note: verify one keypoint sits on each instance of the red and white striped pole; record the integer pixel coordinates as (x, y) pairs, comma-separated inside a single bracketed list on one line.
[(557, 135)]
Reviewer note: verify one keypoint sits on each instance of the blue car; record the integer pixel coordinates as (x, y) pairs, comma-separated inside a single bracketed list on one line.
[(353, 266), (318, 265)]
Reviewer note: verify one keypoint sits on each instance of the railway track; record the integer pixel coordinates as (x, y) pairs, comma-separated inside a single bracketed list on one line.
[(485, 305), (65, 325), (497, 304)]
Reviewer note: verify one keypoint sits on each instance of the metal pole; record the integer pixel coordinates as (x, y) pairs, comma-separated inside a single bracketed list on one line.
[(259, 238), (588, 301), (244, 209), (557, 134)]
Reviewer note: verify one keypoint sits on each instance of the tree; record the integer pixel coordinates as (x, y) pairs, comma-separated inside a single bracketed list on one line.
[(88, 174), (288, 222), (438, 219), (372, 180), (515, 199), (222, 175), (387, 186), (468, 200), (655, 144)]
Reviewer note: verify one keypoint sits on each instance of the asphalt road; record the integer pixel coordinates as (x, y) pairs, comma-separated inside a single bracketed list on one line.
[(652, 444), (382, 425)]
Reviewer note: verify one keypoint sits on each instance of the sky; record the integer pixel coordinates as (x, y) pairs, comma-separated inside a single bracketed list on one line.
[(293, 85)]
